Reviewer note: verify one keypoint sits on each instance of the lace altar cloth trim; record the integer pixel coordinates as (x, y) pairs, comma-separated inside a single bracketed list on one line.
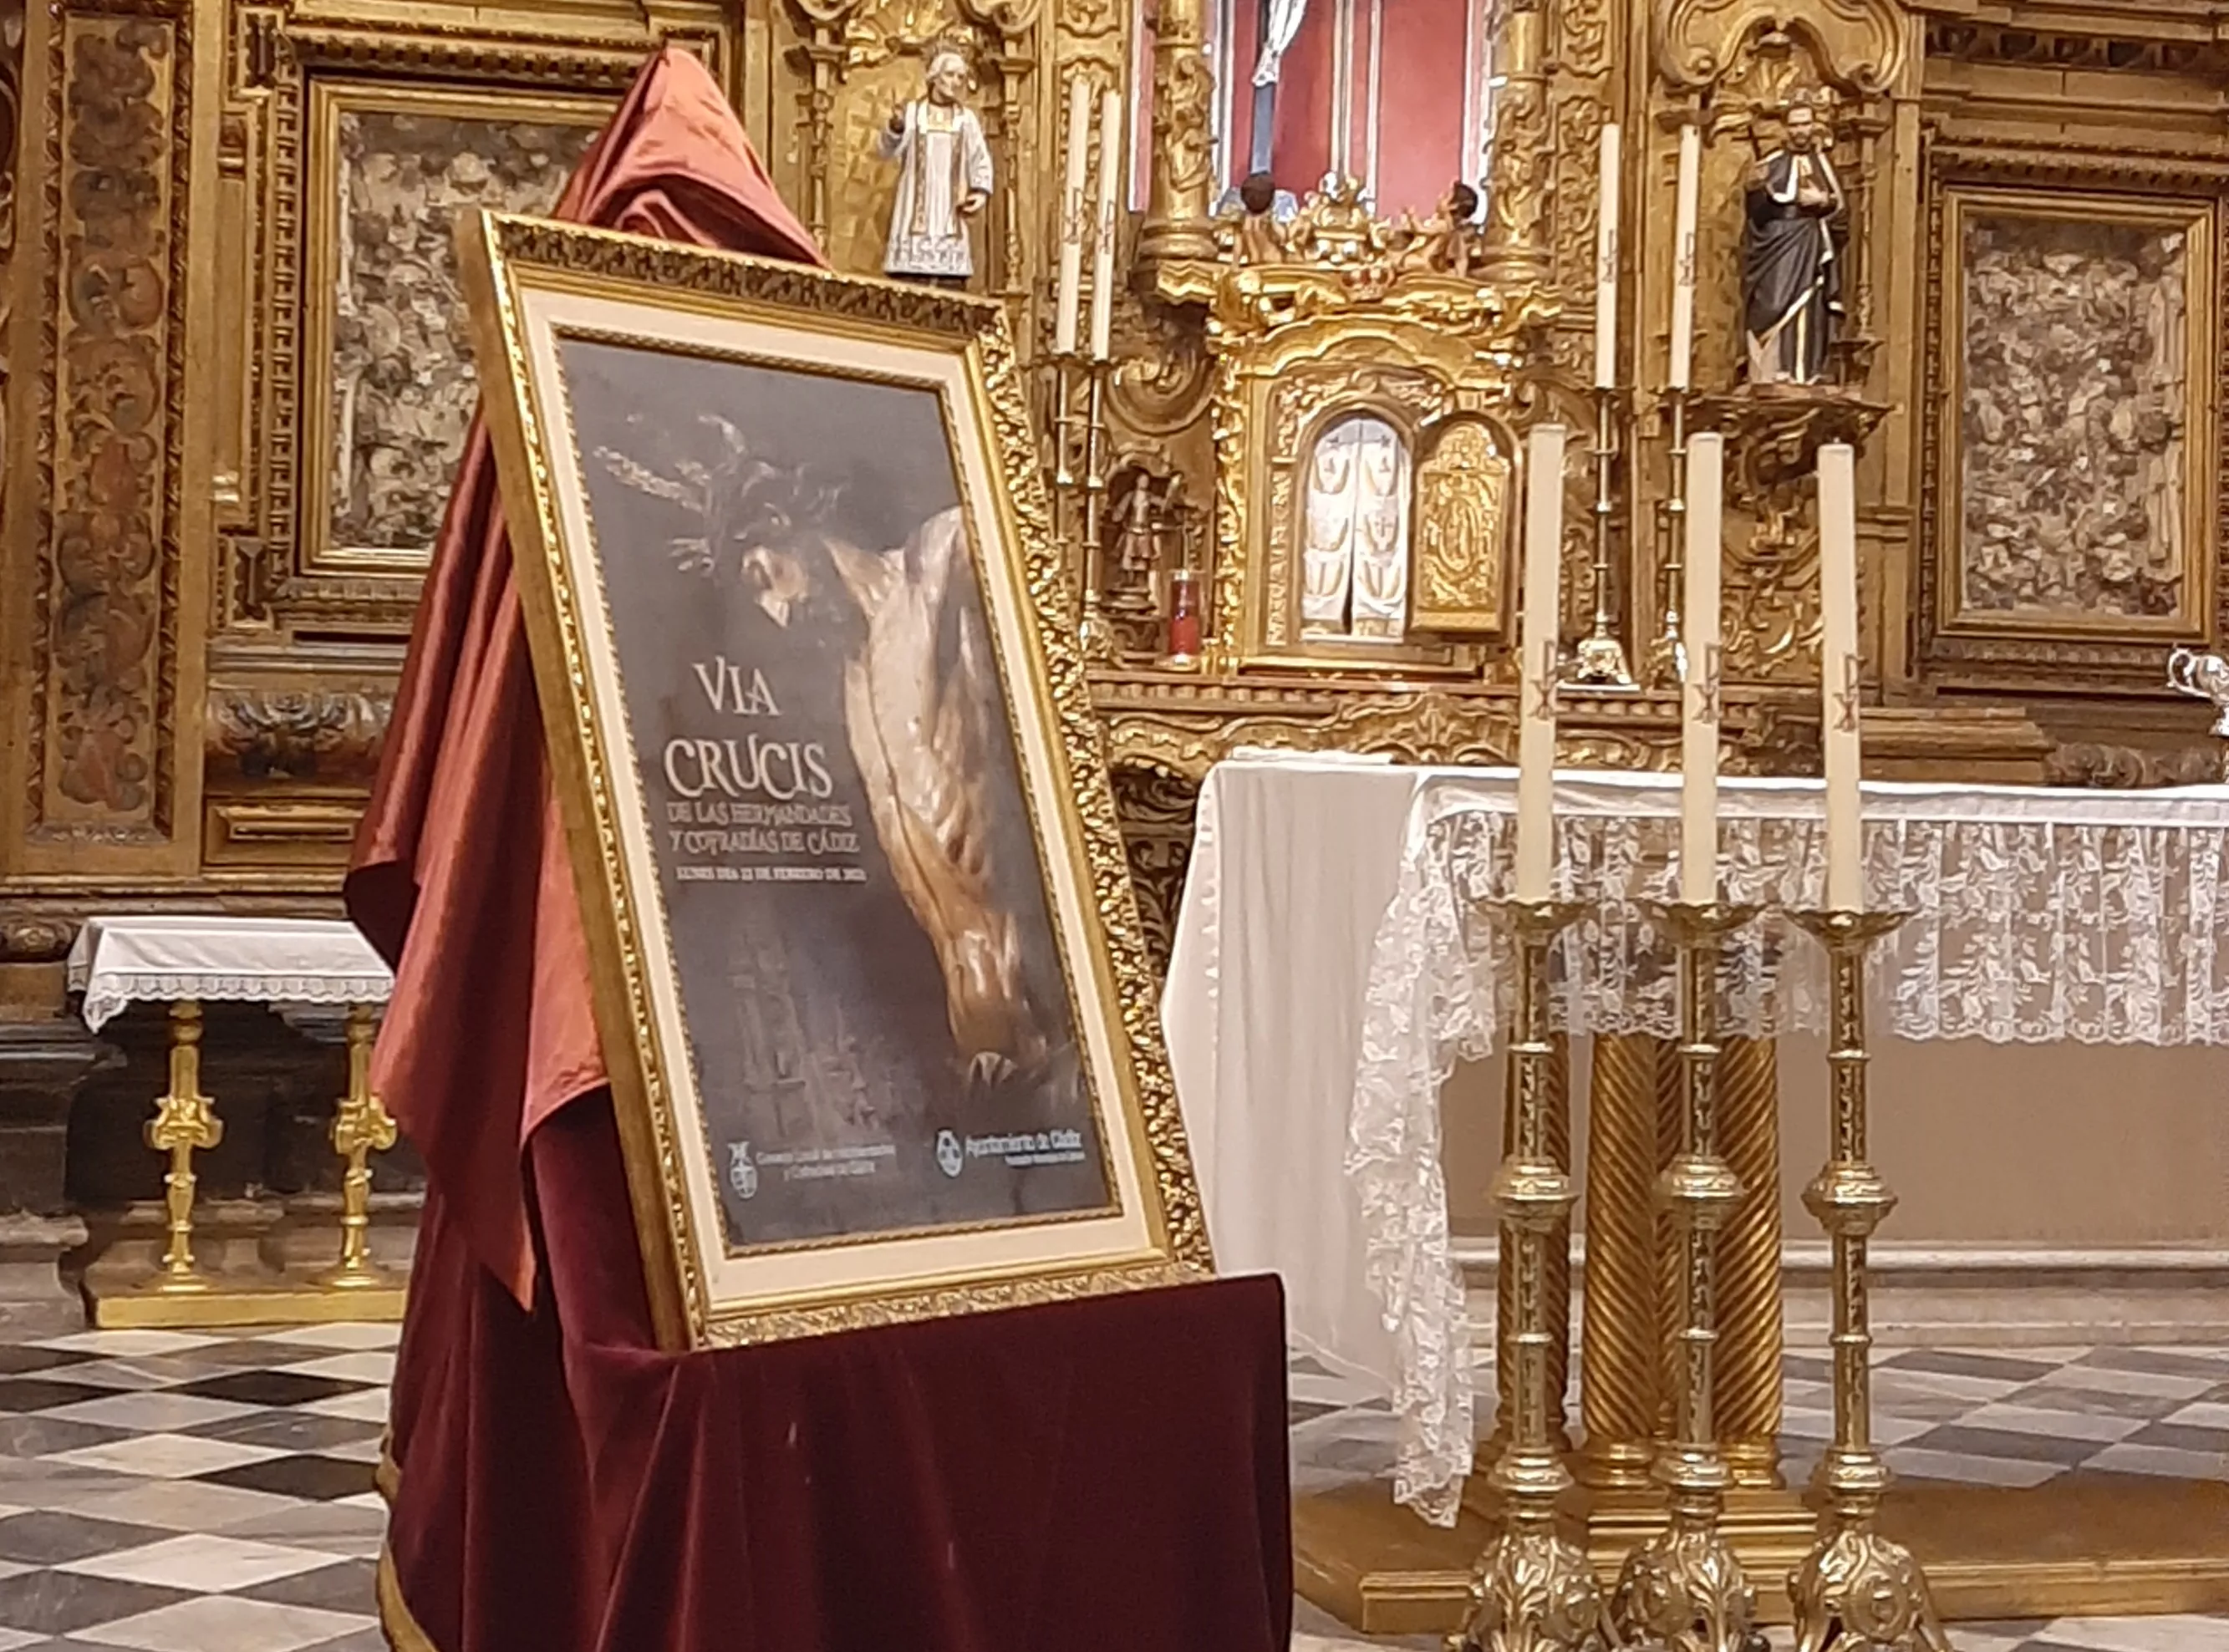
[(163, 958), (2038, 916)]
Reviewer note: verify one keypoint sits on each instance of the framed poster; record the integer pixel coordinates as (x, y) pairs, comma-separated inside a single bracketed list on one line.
[(869, 972)]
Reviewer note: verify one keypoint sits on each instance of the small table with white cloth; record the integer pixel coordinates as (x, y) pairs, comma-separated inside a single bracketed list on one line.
[(310, 970)]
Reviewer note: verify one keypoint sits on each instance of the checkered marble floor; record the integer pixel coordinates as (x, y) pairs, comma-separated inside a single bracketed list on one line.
[(192, 1492), (211, 1492), (2005, 1417)]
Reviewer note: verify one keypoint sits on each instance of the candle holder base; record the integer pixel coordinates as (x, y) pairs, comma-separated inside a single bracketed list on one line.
[(1599, 662), (1532, 1592), (1858, 1592), (1683, 1590), (1666, 665)]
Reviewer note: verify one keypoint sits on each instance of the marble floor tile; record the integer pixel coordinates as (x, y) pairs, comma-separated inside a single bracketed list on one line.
[(366, 1405), (365, 1365), (191, 1505), (48, 1537), (2021, 1419), (166, 1456), (2147, 1383), (226, 1623), (204, 1561), (151, 1413), (2126, 1459), (63, 1603), (115, 1342), (345, 1335)]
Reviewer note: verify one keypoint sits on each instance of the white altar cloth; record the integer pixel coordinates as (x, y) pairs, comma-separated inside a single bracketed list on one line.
[(170, 958), (2038, 915)]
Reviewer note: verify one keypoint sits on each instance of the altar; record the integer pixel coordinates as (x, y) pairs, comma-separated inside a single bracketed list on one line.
[(1332, 966)]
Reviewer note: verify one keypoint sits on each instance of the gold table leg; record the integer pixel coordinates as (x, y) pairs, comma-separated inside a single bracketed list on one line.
[(1683, 1589), (361, 1128), (1532, 1590), (1856, 1589), (185, 1121)]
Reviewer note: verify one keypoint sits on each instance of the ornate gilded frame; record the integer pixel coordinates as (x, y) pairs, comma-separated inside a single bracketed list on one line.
[(330, 99), (2011, 648), (525, 278)]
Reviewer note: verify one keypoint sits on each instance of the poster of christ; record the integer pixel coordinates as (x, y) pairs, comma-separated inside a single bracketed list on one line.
[(855, 937)]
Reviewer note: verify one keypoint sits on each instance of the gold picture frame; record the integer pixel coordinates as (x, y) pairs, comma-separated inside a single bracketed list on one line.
[(2104, 536), (751, 434), (389, 164)]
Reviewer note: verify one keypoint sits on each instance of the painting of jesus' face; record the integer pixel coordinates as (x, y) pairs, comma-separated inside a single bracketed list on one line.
[(878, 1013)]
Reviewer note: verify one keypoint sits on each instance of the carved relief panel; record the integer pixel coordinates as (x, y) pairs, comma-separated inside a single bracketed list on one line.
[(99, 506), (2073, 465), (389, 166)]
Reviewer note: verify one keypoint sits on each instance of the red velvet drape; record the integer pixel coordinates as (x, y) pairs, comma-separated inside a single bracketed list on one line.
[(1106, 1474)]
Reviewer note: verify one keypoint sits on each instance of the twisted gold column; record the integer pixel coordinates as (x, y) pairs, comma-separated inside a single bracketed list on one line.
[(1520, 169), (1749, 1264), (1671, 1102), (1619, 1351), (1178, 201)]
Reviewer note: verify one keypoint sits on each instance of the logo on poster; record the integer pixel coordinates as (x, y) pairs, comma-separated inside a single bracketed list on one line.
[(742, 1174), (948, 1157)]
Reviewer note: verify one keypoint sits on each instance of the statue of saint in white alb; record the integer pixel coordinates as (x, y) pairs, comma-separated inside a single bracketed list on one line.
[(944, 175)]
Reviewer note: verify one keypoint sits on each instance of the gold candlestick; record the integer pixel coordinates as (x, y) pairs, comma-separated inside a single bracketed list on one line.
[(1094, 631), (1667, 652), (1533, 1590), (1599, 660), (1855, 1588), (1683, 1589), (361, 1127), (185, 1121)]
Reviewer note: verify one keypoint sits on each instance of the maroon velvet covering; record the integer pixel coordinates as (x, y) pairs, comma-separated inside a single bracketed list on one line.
[(1101, 1474)]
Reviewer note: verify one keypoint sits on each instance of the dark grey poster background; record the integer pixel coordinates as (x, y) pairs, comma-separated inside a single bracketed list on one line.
[(836, 1097)]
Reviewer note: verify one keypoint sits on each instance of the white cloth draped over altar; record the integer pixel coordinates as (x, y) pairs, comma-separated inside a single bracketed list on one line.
[(1309, 1060)]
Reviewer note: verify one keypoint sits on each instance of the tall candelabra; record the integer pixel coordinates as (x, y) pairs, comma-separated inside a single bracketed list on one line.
[(1599, 660), (1667, 651), (1533, 1590), (1856, 1589), (1683, 1589), (1078, 477)]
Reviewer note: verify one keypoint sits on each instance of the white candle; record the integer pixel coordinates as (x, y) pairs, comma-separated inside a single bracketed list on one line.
[(1071, 217), (1698, 698), (1103, 253), (1838, 668), (1536, 727), (1683, 254), (1606, 267)]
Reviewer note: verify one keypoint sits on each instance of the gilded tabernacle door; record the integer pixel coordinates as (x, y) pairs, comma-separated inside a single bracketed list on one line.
[(1367, 512)]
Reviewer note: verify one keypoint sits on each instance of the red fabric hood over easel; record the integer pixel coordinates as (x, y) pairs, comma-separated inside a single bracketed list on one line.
[(1106, 1474)]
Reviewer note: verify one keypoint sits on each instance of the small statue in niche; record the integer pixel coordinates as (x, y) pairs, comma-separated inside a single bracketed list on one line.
[(1258, 236), (944, 175), (1148, 514), (1791, 255), (1442, 244)]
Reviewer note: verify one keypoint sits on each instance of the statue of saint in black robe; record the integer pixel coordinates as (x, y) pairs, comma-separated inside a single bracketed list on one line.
[(1791, 266)]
